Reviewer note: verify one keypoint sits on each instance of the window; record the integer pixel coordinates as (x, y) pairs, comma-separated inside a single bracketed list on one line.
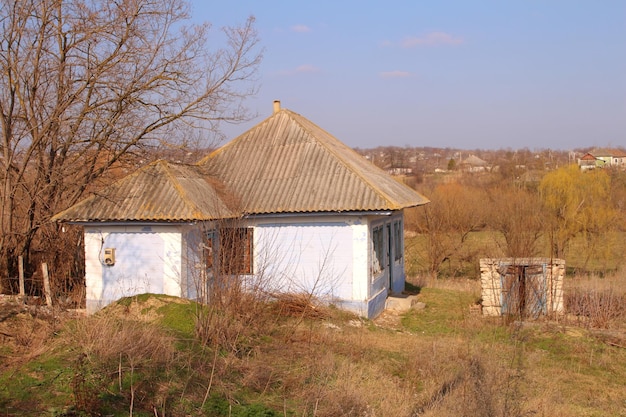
[(378, 249), (230, 250), (235, 255), (397, 239)]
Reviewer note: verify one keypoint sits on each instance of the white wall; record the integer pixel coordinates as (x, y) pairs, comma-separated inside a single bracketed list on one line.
[(147, 259), (360, 260), (305, 255), (329, 256), (193, 273)]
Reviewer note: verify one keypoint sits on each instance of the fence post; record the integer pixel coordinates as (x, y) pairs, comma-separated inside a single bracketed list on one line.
[(20, 268), (46, 283)]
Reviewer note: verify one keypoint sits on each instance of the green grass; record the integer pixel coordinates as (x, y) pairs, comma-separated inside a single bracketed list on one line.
[(538, 350), (174, 313), (445, 309), (219, 406), (43, 380), (179, 317)]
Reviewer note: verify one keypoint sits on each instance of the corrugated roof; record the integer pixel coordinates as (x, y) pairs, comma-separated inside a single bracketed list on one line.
[(287, 164), (474, 160), (157, 192), (604, 152)]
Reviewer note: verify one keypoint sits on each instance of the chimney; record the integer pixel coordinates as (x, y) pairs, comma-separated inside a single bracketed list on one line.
[(276, 106)]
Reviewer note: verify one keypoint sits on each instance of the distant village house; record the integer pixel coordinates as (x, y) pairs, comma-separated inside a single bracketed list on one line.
[(601, 158)]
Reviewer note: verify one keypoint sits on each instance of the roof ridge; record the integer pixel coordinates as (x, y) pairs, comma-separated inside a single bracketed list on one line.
[(233, 141), (179, 187), (338, 157)]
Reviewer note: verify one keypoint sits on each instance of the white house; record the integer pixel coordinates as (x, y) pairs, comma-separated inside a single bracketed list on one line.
[(285, 203), (610, 157)]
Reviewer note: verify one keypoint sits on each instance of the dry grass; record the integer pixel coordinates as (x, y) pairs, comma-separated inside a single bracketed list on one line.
[(300, 360), (117, 354)]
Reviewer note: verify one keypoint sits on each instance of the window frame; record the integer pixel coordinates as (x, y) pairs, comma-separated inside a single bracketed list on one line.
[(230, 250), (378, 249), (398, 241)]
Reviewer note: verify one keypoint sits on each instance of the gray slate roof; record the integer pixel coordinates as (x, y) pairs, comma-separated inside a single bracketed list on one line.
[(287, 164), (159, 191), (473, 160)]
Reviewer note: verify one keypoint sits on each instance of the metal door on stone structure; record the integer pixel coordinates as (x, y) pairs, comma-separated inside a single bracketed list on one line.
[(524, 292)]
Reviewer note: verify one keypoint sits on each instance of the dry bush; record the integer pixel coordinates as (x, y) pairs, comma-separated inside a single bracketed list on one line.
[(25, 332), (107, 338), (447, 222), (597, 302), (300, 305), (232, 316), (599, 308), (515, 213), (129, 355)]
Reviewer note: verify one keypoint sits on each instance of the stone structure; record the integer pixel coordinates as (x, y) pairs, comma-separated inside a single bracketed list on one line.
[(522, 287)]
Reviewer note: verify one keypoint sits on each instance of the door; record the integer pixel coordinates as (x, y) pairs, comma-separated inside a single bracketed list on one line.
[(390, 256), (523, 290)]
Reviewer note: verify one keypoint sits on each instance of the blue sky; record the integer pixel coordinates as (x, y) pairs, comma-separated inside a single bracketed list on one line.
[(460, 74)]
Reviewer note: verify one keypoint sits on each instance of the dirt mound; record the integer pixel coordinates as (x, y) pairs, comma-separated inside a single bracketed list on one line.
[(143, 307)]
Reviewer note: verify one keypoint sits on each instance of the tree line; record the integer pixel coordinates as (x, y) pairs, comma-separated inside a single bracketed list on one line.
[(561, 213)]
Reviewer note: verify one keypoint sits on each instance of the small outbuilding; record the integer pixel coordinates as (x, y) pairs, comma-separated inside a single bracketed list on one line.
[(285, 204), (522, 287)]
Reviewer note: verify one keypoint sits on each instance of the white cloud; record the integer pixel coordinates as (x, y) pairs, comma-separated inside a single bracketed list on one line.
[(432, 39), (307, 68), (301, 69), (395, 74), (300, 28)]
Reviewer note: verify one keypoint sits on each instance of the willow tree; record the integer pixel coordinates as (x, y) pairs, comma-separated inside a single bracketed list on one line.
[(85, 83), (578, 205)]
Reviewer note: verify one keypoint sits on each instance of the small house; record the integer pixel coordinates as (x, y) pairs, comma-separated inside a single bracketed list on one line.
[(601, 158), (588, 161), (285, 204), (615, 158), (473, 164)]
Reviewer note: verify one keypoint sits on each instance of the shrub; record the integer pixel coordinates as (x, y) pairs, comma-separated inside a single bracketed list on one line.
[(599, 307)]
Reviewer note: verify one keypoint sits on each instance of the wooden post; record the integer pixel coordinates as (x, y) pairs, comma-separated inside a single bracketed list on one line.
[(20, 268), (46, 284)]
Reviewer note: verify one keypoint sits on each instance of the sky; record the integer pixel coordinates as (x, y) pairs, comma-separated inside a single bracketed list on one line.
[(468, 74)]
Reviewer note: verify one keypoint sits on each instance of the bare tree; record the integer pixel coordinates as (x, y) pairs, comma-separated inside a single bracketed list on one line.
[(516, 213), (85, 84), (454, 213)]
